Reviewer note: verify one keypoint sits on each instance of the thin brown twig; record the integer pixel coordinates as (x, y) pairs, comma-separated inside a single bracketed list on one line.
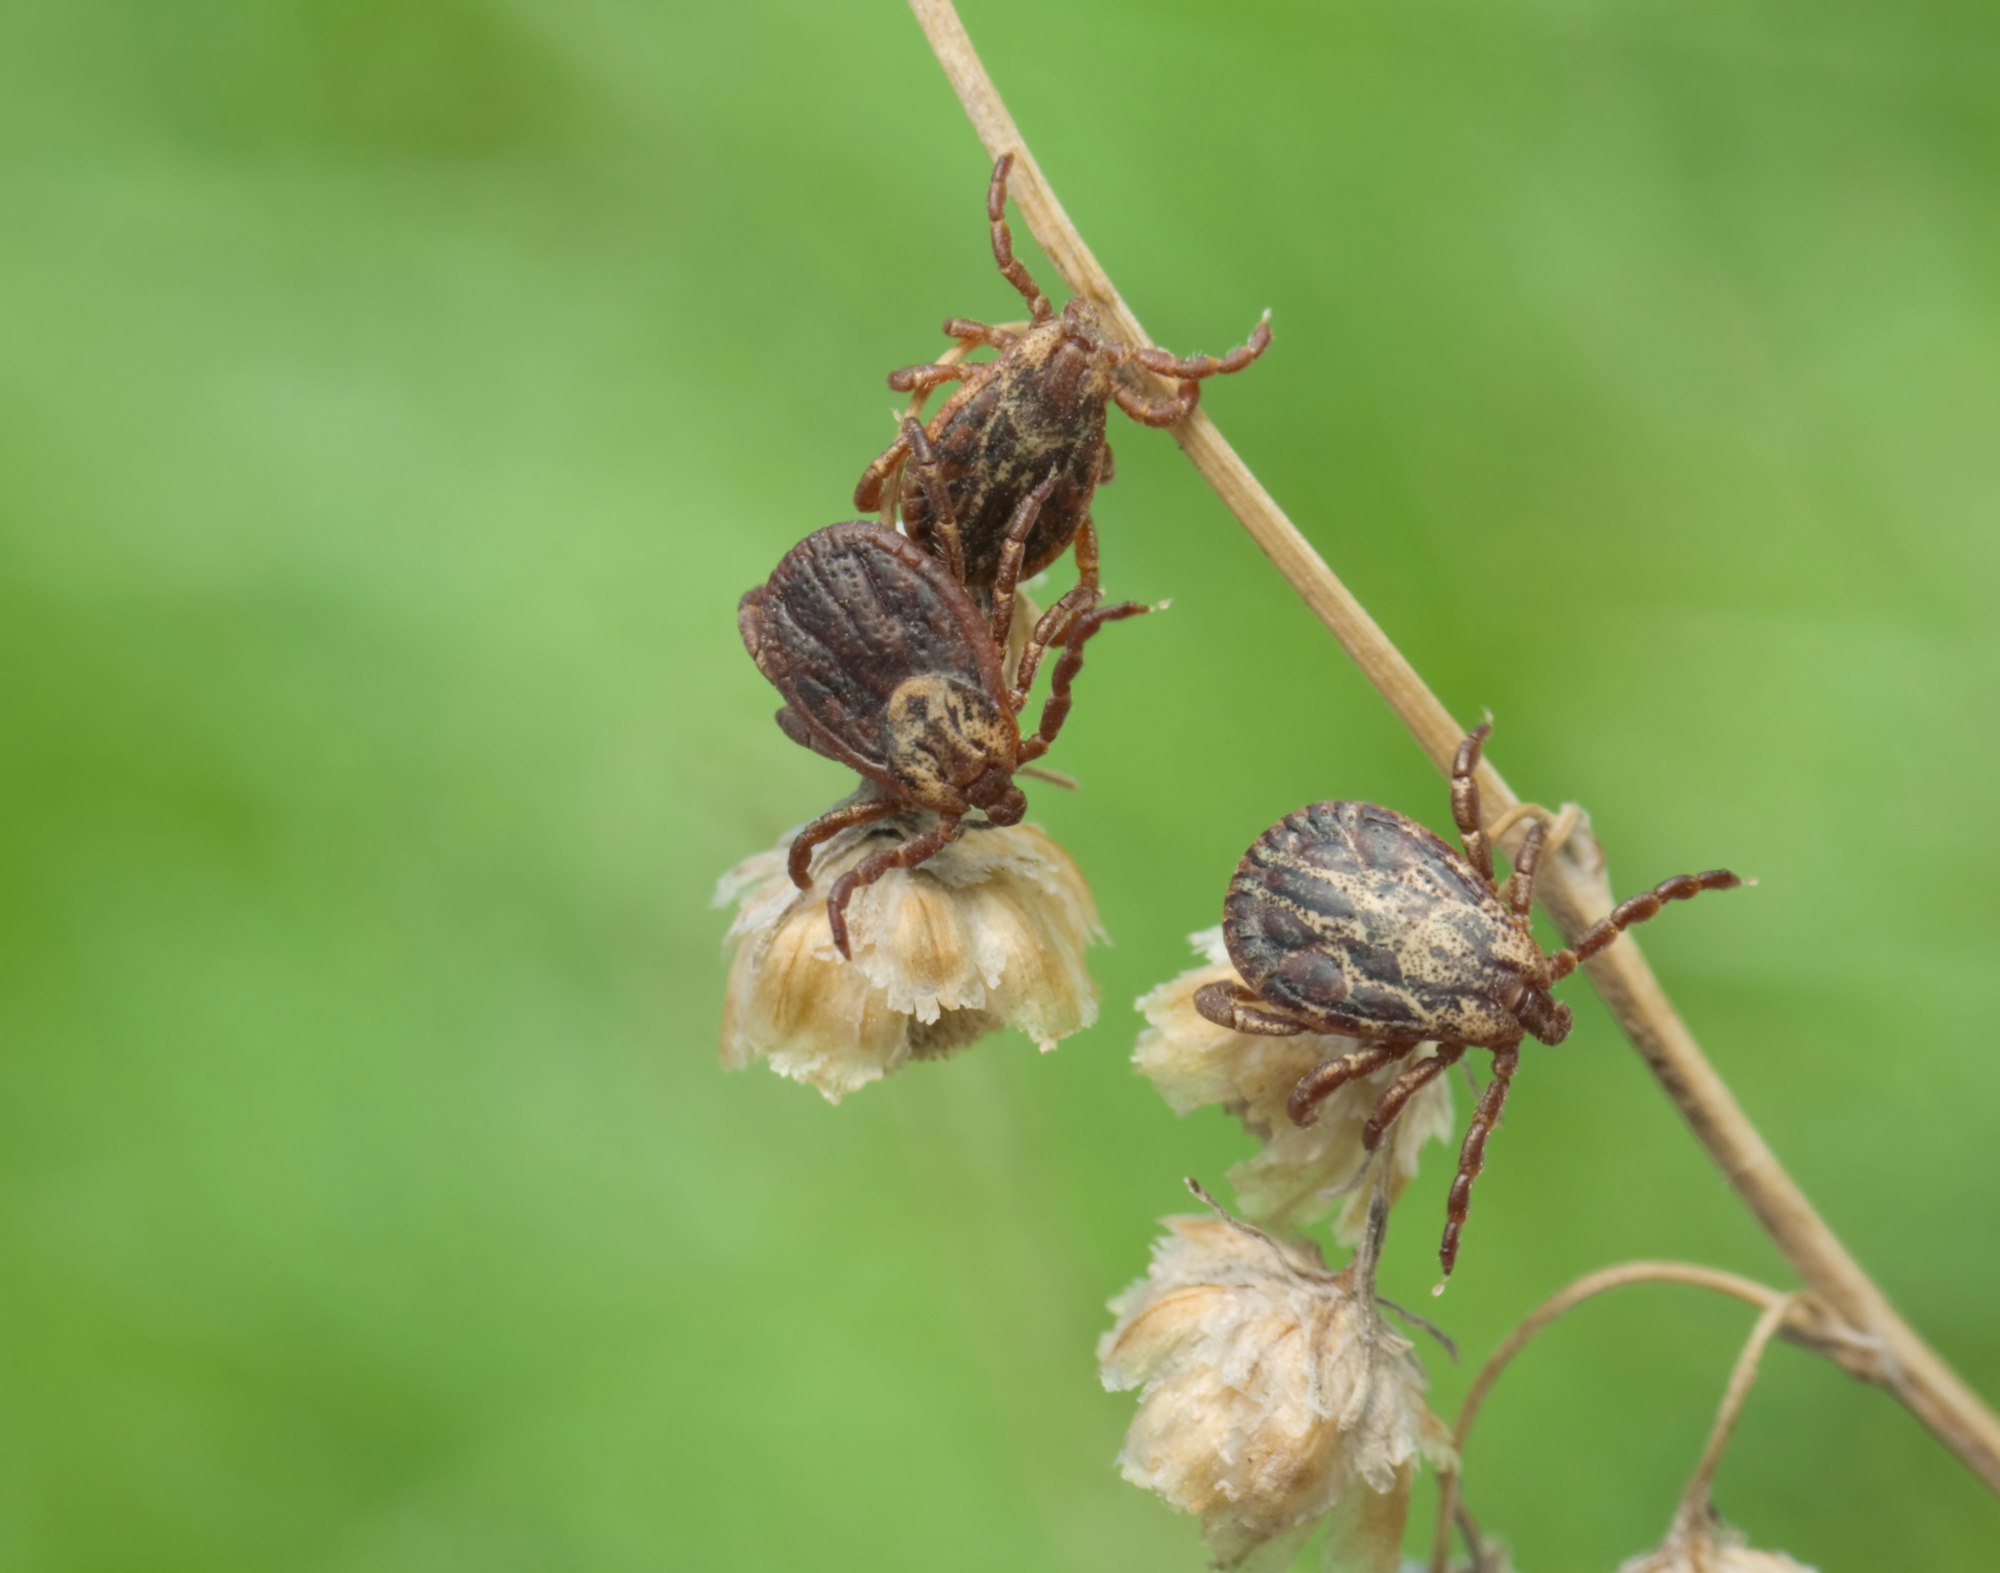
[(1572, 887), (1802, 1322)]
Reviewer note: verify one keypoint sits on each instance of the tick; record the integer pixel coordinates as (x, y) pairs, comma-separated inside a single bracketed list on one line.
[(888, 667), (1348, 918), (1036, 411)]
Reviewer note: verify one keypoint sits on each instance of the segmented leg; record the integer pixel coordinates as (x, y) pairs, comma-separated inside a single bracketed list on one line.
[(1053, 624), (971, 333), (1406, 1087), (1682, 887), (931, 374), (943, 521), (871, 868), (1472, 1156), (1157, 412), (1007, 572), (1233, 1006), (868, 490), (1055, 710), (1521, 883), (1012, 269), (1167, 364), (1330, 1075), (854, 811), (1465, 801)]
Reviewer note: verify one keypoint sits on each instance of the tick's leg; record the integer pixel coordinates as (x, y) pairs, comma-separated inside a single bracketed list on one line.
[(1521, 883), (875, 865), (1233, 1006), (1072, 604), (935, 374), (1012, 269), (972, 334), (1472, 1156), (1107, 467), (831, 823), (943, 522), (1681, 887), (1407, 1086), (1056, 710), (1192, 366), (1330, 1075), (868, 493), (1465, 801), (1157, 412), (1007, 572)]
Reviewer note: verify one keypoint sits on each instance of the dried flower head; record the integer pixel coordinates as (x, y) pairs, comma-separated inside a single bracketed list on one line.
[(988, 934), (1301, 1172), (1271, 1393), (1704, 1545)]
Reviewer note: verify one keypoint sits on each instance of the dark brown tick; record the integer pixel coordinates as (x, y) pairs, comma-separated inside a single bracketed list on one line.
[(888, 667), (1347, 918), (1035, 412)]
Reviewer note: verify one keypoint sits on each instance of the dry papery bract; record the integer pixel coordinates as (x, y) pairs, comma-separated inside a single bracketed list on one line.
[(989, 934), (1272, 1396), (1301, 1172), (1699, 1547)]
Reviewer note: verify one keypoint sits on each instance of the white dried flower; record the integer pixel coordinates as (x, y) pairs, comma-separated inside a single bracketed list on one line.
[(988, 934), (1271, 1394), (1702, 1545), (1301, 1171)]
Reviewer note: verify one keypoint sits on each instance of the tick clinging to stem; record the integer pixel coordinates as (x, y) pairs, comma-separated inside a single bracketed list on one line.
[(1034, 413), (1348, 918), (888, 667)]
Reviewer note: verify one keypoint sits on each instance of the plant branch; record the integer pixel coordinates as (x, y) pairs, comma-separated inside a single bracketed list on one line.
[(1572, 885)]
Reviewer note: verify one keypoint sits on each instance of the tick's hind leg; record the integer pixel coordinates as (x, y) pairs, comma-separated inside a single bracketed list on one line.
[(1465, 801), (1682, 887), (1053, 625), (1233, 1006), (1330, 1075), (1056, 709), (943, 522), (1007, 572), (1472, 1156), (854, 811), (1407, 1086), (868, 491), (1012, 269), (933, 374), (871, 868), (1190, 367)]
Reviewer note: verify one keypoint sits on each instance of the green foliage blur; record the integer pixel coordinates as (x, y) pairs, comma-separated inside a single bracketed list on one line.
[(394, 401)]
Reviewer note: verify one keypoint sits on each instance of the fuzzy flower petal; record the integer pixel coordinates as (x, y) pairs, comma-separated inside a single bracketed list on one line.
[(1697, 1547), (1301, 1172), (1270, 1390), (988, 934)]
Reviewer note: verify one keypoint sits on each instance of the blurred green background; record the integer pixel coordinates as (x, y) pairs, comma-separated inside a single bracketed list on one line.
[(394, 400)]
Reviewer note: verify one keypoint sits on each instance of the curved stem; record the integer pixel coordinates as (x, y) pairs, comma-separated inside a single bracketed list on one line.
[(1571, 886), (1694, 1501), (1779, 1308)]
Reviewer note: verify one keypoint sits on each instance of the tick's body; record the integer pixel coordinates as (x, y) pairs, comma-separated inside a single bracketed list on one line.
[(887, 667), (1035, 412), (1349, 919)]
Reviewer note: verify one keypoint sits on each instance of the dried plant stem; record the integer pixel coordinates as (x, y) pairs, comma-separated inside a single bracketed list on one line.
[(1796, 1316), (1694, 1508), (1572, 886)]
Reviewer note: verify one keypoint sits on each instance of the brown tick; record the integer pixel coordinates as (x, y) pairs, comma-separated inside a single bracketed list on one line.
[(1034, 412), (1347, 918), (888, 667)]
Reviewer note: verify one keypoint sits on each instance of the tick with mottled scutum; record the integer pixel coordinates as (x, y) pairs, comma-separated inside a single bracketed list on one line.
[(888, 667), (1036, 411), (1349, 919)]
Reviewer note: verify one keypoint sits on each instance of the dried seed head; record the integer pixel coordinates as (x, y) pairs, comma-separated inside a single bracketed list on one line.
[(1271, 1391), (1301, 1172), (988, 934), (1697, 1546)]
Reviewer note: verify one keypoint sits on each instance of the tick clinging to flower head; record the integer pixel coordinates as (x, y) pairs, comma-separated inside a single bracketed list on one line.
[(1348, 918), (1034, 413), (888, 667)]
